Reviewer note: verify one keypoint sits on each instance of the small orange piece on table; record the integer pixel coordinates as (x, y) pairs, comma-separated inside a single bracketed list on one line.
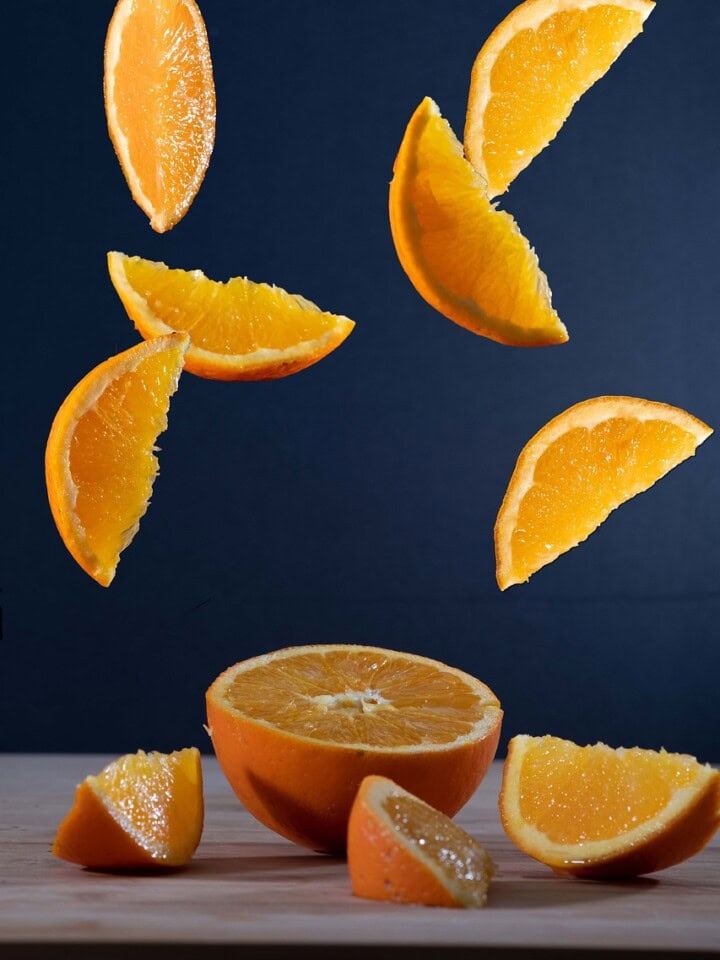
[(160, 103), (601, 813), (142, 810), (100, 462), (532, 70), (239, 330), (401, 849), (296, 731), (464, 257), (578, 468)]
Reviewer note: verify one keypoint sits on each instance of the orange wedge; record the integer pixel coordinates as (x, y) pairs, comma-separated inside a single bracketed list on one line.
[(160, 103), (142, 810), (467, 259), (401, 849), (239, 330), (297, 730), (532, 70), (578, 468), (603, 813), (99, 461)]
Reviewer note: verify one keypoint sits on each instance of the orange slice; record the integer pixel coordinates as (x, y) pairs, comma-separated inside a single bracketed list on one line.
[(401, 849), (581, 466), (532, 70), (99, 462), (598, 812), (160, 103), (142, 810), (297, 730), (467, 259), (239, 330)]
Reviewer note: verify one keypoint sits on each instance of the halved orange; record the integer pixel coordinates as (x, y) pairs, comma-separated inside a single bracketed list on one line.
[(239, 330), (578, 468), (142, 810), (532, 70), (604, 813), (467, 259), (99, 461), (160, 103), (297, 730), (401, 849)]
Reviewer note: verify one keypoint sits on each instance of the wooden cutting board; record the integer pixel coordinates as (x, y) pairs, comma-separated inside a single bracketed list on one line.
[(249, 888)]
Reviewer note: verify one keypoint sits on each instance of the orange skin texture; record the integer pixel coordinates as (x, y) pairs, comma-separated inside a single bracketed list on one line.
[(91, 837), (304, 790), (380, 867), (685, 836)]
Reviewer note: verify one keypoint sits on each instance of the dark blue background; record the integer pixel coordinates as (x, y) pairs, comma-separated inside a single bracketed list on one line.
[(355, 501)]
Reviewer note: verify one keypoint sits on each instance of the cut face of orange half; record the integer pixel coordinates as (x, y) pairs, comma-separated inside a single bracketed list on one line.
[(598, 812), (160, 103), (581, 466), (142, 810), (401, 849), (296, 731), (239, 330), (467, 259), (532, 70), (100, 462)]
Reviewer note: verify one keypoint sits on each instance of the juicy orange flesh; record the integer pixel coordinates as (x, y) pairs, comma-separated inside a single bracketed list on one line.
[(538, 77), (111, 453), (583, 476), (236, 317), (164, 101), (155, 797), (475, 254), (576, 794), (359, 698), (460, 858)]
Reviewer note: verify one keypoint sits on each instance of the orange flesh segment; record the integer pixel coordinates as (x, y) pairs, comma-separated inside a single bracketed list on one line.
[(163, 105), (580, 794), (111, 453), (585, 475), (469, 260), (461, 860), (536, 79), (233, 318), (406, 703), (154, 797)]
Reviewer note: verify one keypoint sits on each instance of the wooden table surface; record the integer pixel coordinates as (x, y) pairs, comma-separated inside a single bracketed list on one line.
[(248, 887)]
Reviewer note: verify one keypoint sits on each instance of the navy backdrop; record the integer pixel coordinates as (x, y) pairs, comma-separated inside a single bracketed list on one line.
[(355, 501)]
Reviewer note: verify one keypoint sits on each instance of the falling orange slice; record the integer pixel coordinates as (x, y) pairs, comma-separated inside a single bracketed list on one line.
[(160, 103), (142, 810), (239, 330), (467, 259), (578, 468), (99, 462), (603, 813), (532, 70), (401, 849)]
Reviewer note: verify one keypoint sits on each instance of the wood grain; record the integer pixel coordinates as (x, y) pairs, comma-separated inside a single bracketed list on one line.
[(249, 887)]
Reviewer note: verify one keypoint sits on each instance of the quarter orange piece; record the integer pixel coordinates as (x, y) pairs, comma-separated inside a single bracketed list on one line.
[(142, 810), (99, 461), (604, 813), (239, 330), (296, 732), (578, 468), (160, 103), (532, 70), (401, 849), (467, 259)]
